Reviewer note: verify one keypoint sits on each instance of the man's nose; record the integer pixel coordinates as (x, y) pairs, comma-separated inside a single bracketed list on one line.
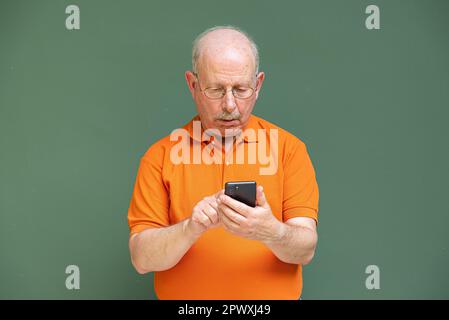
[(229, 102)]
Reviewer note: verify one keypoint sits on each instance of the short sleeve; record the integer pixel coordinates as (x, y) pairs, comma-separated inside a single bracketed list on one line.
[(149, 205), (300, 197)]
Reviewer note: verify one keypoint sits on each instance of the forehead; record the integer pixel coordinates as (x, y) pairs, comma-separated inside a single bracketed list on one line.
[(227, 66)]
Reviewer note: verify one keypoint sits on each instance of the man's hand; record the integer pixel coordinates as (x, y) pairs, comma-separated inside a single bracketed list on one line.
[(257, 223), (204, 215)]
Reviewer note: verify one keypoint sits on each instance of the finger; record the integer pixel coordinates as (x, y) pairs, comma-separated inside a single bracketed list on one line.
[(214, 204), (236, 217), (231, 214), (229, 224), (204, 219), (260, 197), (207, 218), (238, 206), (219, 193), (212, 213)]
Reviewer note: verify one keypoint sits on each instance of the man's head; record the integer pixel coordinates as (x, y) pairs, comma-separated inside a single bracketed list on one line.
[(225, 81)]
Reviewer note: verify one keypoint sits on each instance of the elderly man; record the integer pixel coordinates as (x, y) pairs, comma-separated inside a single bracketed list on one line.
[(201, 243)]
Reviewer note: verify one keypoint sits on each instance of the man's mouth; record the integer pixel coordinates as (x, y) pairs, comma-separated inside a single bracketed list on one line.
[(230, 123)]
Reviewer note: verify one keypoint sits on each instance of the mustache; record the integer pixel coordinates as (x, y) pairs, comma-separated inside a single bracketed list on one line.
[(228, 116)]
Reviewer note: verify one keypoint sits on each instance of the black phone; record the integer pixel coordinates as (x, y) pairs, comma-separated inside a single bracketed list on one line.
[(243, 191)]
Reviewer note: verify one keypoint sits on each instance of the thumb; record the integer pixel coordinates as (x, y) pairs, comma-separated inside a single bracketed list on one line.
[(219, 193), (260, 196)]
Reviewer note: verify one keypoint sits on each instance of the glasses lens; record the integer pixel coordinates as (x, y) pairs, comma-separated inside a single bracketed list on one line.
[(242, 93), (214, 93)]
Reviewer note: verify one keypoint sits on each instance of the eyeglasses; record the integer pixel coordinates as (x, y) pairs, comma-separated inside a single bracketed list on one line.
[(218, 93)]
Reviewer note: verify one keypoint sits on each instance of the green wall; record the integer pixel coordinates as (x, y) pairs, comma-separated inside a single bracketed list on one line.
[(78, 108)]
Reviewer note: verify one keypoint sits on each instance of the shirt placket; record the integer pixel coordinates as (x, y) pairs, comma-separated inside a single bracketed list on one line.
[(228, 168)]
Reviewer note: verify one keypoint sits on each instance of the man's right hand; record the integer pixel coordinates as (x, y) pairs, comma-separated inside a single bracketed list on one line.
[(204, 215)]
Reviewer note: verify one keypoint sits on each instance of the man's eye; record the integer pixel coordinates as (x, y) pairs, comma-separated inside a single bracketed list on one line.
[(240, 90)]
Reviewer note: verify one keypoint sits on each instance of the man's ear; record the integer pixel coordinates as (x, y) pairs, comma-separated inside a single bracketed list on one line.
[(191, 81), (260, 79)]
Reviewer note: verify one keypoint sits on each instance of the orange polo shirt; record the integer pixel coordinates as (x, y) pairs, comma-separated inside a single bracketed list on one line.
[(221, 265)]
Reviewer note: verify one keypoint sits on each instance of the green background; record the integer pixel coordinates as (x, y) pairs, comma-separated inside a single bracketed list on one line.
[(79, 108)]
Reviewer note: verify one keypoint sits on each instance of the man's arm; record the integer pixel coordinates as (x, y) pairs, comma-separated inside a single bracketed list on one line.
[(159, 249), (296, 241)]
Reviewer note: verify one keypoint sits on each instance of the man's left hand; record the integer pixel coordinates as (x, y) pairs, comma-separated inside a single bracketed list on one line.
[(257, 223)]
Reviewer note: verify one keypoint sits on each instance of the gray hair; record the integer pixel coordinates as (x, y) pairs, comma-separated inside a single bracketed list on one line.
[(196, 50)]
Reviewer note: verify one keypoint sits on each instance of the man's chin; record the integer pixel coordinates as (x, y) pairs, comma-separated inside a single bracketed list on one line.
[(227, 128)]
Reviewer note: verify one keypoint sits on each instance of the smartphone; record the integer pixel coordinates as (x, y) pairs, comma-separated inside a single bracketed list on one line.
[(243, 191)]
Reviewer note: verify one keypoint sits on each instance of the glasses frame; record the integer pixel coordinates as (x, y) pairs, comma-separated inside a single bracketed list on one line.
[(225, 91)]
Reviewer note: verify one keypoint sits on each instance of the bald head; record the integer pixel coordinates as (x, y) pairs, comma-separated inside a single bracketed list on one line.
[(225, 44)]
